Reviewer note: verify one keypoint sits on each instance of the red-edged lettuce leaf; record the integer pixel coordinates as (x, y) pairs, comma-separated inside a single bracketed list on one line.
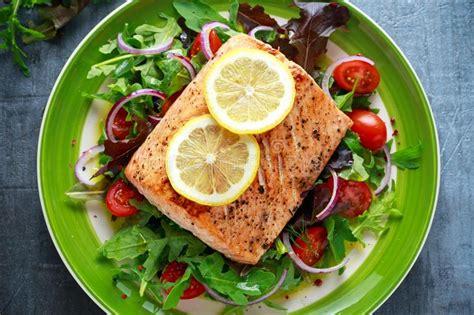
[(121, 152), (251, 17), (310, 32)]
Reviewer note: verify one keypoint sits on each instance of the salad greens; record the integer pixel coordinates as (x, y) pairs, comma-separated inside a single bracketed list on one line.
[(149, 241), (54, 14)]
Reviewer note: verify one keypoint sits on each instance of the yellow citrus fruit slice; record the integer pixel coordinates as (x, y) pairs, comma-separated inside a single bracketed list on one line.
[(249, 91), (209, 164)]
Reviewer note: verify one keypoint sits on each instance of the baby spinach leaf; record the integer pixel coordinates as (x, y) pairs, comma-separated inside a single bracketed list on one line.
[(197, 13), (339, 231), (408, 158), (130, 242)]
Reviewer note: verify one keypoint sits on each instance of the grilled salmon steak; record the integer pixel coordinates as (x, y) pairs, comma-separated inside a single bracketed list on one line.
[(293, 154)]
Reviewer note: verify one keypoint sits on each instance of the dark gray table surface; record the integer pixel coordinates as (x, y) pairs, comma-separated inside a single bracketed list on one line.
[(437, 37)]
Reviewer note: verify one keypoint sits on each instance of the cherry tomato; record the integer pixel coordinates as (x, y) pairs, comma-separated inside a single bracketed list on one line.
[(354, 198), (370, 128), (214, 39), (120, 126), (173, 272), (169, 101), (118, 197), (347, 73), (311, 245)]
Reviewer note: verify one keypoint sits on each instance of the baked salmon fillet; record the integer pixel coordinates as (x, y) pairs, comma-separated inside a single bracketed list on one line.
[(293, 154)]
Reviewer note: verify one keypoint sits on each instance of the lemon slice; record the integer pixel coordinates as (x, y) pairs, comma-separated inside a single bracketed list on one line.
[(249, 91), (210, 165)]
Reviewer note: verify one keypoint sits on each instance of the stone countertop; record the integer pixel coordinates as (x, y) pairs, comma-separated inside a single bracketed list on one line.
[(436, 36)]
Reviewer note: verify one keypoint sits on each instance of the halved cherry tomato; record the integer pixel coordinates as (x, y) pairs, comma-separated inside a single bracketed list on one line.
[(370, 128), (120, 126), (169, 101), (311, 245), (214, 41), (354, 198), (118, 197), (347, 73), (173, 272)]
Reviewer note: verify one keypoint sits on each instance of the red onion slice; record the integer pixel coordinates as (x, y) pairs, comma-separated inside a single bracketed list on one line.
[(332, 67), (185, 62), (221, 299), (117, 106), (80, 170), (205, 41), (388, 171), (305, 267), (254, 31), (154, 120), (145, 51), (332, 202)]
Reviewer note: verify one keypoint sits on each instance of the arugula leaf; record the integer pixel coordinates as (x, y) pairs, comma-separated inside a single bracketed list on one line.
[(408, 158), (344, 102), (357, 170), (179, 239), (233, 12), (375, 219), (197, 13), (146, 206), (339, 231), (154, 262), (130, 242), (293, 278), (175, 294), (108, 48), (274, 305), (81, 192)]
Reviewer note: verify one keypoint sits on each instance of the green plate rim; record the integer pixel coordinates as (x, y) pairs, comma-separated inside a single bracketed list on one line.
[(377, 28)]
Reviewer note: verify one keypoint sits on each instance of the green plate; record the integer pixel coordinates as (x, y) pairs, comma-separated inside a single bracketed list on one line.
[(400, 90)]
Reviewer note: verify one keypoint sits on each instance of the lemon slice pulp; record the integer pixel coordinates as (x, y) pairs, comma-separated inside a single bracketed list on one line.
[(210, 165), (249, 91)]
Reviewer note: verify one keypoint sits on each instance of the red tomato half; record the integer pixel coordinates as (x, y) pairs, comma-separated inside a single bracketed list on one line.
[(173, 272), (354, 198), (120, 126), (347, 73), (311, 245), (214, 39), (169, 101), (118, 197), (370, 128)]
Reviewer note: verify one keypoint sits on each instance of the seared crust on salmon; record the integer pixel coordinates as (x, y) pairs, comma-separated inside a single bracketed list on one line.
[(293, 154)]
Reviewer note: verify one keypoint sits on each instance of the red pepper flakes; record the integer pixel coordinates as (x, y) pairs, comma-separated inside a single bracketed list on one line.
[(140, 267), (124, 296), (70, 165), (395, 133), (318, 282), (392, 120), (73, 142), (287, 297)]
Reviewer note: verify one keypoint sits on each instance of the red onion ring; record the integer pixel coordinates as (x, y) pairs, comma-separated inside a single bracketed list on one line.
[(258, 29), (117, 106), (154, 120), (145, 51), (388, 174), (80, 168), (185, 62), (221, 299), (305, 267), (332, 202), (332, 67), (205, 41)]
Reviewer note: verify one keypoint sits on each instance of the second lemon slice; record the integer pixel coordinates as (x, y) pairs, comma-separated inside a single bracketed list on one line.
[(249, 91), (210, 165)]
